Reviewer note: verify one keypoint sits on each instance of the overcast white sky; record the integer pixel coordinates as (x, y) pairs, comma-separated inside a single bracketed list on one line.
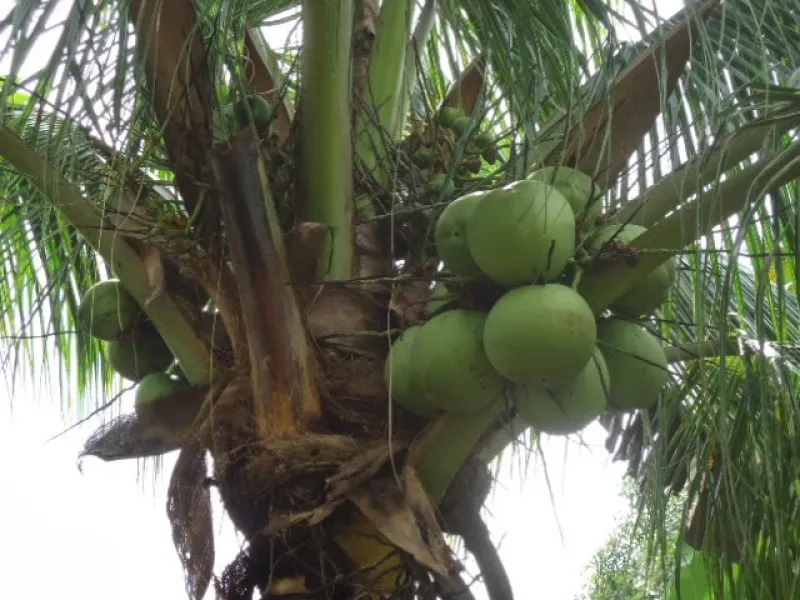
[(104, 533)]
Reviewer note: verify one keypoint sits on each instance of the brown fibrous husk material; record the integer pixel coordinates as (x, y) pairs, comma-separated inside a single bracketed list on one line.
[(292, 491)]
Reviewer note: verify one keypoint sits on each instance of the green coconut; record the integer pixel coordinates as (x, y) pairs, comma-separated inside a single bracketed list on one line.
[(399, 376), (451, 235), (471, 165), (482, 141), (136, 359), (491, 155), (576, 186), (155, 386), (636, 364), (450, 365), (648, 293), (461, 124), (107, 310), (448, 116), (423, 157), (567, 409), (540, 334), (522, 233), (443, 184), (441, 299), (261, 110)]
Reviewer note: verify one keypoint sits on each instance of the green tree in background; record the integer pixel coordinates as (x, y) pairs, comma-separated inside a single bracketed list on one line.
[(637, 561), (267, 211)]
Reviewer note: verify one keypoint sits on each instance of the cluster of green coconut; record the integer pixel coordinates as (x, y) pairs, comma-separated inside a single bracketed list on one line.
[(455, 125), (540, 344), (134, 348)]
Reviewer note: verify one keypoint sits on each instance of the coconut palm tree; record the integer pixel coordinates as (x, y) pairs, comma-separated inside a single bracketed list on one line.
[(269, 210)]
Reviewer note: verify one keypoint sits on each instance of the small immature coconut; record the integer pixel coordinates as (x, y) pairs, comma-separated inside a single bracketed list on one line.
[(636, 364), (482, 141), (448, 116), (400, 377), (107, 310), (261, 110), (450, 364), (540, 334), (423, 157), (522, 233), (567, 409), (576, 186), (461, 124), (649, 292), (451, 235), (442, 183), (155, 386), (472, 165), (137, 358), (491, 155)]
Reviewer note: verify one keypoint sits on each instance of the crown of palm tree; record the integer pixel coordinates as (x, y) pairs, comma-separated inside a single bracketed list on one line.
[(266, 205)]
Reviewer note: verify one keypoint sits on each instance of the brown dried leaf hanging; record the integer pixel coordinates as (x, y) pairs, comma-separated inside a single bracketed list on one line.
[(189, 513), (354, 470), (402, 512)]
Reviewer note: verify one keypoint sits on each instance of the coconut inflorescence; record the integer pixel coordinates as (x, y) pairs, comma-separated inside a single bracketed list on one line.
[(448, 156), (535, 342)]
